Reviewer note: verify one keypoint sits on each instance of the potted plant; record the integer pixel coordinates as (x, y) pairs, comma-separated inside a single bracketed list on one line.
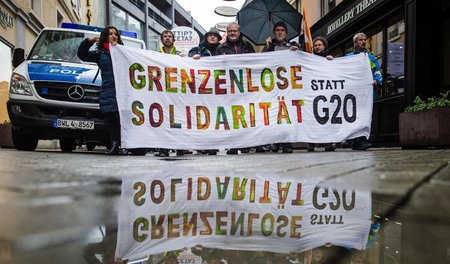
[(5, 135), (426, 123)]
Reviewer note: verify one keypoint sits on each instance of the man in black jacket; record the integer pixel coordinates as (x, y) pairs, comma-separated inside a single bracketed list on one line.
[(234, 43)]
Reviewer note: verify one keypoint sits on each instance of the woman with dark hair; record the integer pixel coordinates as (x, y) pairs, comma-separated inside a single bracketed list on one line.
[(108, 105)]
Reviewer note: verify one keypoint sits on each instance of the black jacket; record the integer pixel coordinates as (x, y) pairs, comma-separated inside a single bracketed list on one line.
[(103, 59), (204, 49), (238, 47)]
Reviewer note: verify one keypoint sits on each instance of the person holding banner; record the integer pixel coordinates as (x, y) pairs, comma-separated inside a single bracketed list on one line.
[(167, 40), (208, 46), (359, 41), (320, 48), (108, 104), (279, 43), (235, 45)]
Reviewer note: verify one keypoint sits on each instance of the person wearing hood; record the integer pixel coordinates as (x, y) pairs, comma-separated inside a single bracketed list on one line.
[(208, 46)]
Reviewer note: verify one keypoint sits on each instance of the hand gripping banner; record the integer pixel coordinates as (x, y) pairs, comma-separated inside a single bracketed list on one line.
[(233, 101)]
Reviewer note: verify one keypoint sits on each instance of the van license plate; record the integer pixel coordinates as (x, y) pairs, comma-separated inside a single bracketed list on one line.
[(73, 124)]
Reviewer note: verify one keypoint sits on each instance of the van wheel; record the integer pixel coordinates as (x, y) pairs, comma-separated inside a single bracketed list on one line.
[(67, 144), (24, 142)]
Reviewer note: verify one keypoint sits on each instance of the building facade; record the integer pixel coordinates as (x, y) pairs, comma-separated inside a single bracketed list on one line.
[(411, 40), (149, 18)]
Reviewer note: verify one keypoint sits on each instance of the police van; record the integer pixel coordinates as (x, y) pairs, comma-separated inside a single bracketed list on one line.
[(55, 95)]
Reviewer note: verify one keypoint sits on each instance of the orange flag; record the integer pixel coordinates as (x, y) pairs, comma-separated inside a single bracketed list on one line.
[(307, 33)]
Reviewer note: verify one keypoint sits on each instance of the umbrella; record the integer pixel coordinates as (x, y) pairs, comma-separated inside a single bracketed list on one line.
[(256, 19)]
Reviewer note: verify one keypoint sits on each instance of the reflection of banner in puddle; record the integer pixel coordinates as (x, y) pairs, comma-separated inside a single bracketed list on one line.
[(279, 214), (240, 100)]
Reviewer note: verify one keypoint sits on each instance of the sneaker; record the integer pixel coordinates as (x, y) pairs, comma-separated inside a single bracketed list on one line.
[(287, 150), (232, 152)]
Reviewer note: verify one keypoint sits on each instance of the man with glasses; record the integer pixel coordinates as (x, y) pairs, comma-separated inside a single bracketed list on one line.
[(235, 45)]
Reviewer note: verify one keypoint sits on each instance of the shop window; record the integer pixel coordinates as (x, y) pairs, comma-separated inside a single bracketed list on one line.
[(135, 26), (374, 45), (446, 54), (59, 18), (36, 6), (119, 18), (395, 57), (327, 6), (153, 40), (5, 75)]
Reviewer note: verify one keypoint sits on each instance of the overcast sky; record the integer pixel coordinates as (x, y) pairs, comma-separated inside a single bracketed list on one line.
[(203, 11)]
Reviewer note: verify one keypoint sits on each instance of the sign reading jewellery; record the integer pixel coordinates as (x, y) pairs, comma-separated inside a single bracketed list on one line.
[(5, 18), (355, 10)]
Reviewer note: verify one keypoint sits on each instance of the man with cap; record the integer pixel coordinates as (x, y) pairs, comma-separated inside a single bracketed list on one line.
[(208, 46), (279, 42)]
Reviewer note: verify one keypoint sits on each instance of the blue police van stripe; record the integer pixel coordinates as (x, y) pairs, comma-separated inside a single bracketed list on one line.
[(59, 73)]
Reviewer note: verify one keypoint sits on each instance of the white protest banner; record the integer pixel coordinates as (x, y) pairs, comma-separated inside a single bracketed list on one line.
[(233, 101), (258, 213)]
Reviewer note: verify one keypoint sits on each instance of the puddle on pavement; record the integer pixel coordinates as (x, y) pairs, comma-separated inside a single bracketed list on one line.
[(242, 219)]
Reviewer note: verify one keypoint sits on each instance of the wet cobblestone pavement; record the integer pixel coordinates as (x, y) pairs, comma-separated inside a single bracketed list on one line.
[(59, 207)]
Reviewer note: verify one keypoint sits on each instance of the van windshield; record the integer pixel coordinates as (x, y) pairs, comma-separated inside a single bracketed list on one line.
[(63, 46)]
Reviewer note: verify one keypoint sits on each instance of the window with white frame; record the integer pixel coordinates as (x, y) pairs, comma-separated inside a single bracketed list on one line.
[(59, 18), (36, 6)]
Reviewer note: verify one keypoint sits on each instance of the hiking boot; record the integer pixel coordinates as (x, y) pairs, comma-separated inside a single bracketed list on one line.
[(212, 152)]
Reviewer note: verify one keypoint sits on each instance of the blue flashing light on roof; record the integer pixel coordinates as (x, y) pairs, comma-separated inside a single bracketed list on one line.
[(124, 33)]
